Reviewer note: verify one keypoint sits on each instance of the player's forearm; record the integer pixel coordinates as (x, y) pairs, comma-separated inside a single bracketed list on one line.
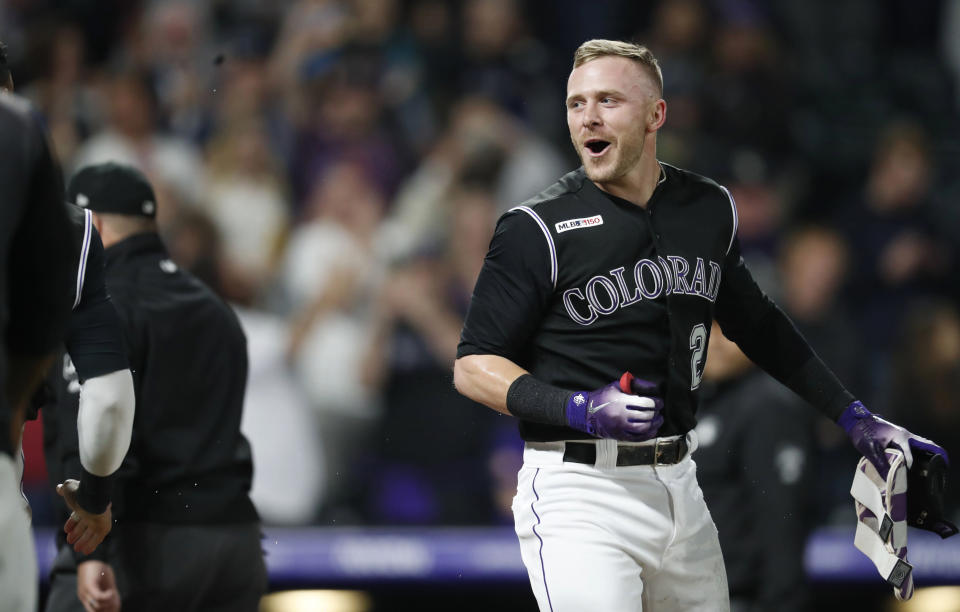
[(104, 429), (773, 343), (486, 379), (788, 357), (105, 421)]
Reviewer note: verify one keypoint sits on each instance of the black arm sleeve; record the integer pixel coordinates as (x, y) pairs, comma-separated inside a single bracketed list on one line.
[(94, 338), (768, 337), (511, 293), (533, 400)]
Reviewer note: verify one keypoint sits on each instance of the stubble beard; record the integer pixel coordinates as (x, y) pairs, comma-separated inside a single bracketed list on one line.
[(627, 158)]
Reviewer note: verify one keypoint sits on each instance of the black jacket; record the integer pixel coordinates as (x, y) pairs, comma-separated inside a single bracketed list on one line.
[(188, 463), (755, 464)]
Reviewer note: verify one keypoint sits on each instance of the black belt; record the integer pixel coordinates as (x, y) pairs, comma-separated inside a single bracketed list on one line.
[(664, 452)]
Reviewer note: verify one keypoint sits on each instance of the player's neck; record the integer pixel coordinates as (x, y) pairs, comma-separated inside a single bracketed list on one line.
[(638, 185)]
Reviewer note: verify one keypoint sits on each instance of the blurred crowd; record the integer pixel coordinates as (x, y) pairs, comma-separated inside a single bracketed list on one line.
[(334, 169)]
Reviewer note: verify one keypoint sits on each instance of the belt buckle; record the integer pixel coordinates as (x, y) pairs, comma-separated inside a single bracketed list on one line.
[(658, 451)]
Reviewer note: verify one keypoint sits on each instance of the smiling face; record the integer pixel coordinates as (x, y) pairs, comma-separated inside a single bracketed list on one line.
[(612, 106)]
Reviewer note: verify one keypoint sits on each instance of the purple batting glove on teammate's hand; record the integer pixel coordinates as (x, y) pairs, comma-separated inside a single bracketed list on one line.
[(627, 410), (871, 435)]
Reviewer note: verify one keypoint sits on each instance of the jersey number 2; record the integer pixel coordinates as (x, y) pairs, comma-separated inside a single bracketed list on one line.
[(698, 346)]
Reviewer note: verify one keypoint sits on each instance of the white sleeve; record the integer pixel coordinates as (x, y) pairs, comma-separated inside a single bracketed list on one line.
[(105, 421)]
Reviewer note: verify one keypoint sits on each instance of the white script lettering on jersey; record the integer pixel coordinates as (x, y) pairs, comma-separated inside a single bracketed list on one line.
[(572, 224), (604, 295)]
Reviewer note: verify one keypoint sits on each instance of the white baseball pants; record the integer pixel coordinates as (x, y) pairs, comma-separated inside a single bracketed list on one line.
[(611, 539), (18, 561)]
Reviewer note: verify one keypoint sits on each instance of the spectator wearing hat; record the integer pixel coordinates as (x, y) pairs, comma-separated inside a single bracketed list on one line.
[(187, 536)]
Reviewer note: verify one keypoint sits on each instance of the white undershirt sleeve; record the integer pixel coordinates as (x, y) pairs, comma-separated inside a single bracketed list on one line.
[(105, 421)]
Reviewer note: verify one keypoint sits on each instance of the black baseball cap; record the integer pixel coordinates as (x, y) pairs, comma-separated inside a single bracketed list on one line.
[(113, 188)]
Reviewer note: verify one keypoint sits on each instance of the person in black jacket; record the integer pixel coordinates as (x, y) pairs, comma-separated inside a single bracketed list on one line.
[(187, 536), (35, 248), (754, 467)]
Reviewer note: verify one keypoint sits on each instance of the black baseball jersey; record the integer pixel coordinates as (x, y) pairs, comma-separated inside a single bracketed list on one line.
[(580, 286), (93, 347), (93, 343), (34, 244), (188, 463)]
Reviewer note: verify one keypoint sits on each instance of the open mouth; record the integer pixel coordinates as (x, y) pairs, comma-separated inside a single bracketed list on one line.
[(597, 147)]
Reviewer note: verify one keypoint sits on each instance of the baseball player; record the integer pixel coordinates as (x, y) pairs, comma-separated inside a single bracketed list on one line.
[(34, 269), (617, 270), (104, 418)]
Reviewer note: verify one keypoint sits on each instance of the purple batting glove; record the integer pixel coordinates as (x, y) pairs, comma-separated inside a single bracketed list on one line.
[(929, 447), (871, 435), (626, 410)]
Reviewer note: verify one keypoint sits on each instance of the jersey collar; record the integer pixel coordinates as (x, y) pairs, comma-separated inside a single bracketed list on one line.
[(133, 246), (663, 179)]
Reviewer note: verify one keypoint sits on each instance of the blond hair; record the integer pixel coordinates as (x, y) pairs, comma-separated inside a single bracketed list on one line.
[(597, 48)]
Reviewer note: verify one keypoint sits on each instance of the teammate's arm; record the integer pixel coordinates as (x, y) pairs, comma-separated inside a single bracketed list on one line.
[(106, 408), (61, 447), (102, 418), (105, 422), (104, 425)]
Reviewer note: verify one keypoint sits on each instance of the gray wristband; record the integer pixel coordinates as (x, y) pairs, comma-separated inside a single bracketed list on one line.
[(532, 400)]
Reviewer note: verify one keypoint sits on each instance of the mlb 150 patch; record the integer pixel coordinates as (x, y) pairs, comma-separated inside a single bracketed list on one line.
[(572, 224)]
